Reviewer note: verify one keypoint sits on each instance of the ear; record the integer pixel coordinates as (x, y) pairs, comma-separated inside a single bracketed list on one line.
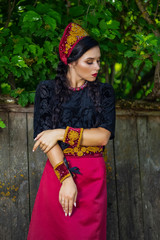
[(71, 65)]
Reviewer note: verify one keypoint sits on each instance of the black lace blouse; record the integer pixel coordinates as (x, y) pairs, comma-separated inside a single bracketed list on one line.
[(78, 111)]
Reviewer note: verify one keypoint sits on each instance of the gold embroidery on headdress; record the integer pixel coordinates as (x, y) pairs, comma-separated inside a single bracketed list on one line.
[(75, 34)]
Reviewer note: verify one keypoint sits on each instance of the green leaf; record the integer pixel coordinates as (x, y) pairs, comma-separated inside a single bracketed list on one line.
[(55, 15), (148, 63), (32, 48), (5, 88), (92, 19), (76, 11), (40, 51), (139, 37), (137, 63), (103, 25), (109, 35), (116, 32), (108, 14), (104, 47), (31, 16), (2, 124), (41, 60), (118, 6), (42, 8), (18, 49), (5, 32), (96, 31), (31, 97), (50, 21), (113, 24), (19, 61), (121, 47), (2, 71), (154, 42), (48, 47), (4, 59), (23, 99), (129, 54)]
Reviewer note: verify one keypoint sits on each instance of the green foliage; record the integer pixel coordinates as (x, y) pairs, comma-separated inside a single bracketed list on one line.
[(30, 35), (23, 96), (2, 124)]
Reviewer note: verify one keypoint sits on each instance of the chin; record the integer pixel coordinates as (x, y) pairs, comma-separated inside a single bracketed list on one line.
[(91, 80)]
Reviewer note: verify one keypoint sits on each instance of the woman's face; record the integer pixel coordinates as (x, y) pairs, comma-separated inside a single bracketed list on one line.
[(88, 65)]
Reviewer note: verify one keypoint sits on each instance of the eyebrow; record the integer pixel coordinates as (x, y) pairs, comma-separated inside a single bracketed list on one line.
[(90, 58)]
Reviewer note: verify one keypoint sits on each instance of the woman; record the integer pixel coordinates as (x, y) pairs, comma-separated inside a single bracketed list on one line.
[(74, 118)]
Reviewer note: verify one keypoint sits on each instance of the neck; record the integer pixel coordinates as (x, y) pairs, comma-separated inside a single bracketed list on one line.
[(74, 82)]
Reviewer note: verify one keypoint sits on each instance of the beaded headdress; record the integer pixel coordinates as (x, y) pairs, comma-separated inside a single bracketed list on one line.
[(73, 33)]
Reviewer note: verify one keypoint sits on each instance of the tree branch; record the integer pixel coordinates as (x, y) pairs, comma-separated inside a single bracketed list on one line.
[(35, 3), (139, 71), (10, 10), (144, 12), (68, 6), (155, 15)]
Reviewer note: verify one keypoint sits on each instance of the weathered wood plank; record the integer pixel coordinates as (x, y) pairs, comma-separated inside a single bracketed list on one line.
[(6, 192), (119, 111), (128, 180), (37, 162), (149, 148), (19, 175), (136, 164), (15, 108), (112, 214)]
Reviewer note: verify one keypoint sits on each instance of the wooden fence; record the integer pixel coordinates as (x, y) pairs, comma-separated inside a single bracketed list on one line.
[(133, 167)]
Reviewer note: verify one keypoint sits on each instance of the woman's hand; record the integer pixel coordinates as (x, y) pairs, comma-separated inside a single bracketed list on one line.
[(46, 140), (68, 195)]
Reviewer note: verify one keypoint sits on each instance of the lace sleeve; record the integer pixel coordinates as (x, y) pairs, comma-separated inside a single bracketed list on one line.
[(42, 108), (108, 109)]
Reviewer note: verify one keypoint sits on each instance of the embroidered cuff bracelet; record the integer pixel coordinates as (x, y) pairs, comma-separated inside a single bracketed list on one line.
[(73, 136), (73, 170), (61, 171)]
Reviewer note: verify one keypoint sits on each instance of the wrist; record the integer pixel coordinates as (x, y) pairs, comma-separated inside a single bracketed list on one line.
[(60, 134), (68, 179)]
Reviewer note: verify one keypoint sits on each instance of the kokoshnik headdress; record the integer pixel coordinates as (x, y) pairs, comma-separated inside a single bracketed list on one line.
[(73, 33)]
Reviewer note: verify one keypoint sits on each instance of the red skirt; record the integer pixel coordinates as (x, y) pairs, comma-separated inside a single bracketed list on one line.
[(88, 219)]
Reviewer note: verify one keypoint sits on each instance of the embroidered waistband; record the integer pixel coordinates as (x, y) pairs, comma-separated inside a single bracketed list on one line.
[(83, 151)]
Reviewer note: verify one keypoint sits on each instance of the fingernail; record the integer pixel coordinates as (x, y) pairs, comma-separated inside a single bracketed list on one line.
[(66, 214), (75, 204), (33, 150), (35, 139), (69, 214)]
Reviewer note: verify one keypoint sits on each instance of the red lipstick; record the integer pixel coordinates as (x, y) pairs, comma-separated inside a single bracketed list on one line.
[(95, 74)]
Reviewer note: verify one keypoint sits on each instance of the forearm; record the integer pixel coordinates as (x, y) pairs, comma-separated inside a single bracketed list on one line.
[(90, 137), (55, 155), (95, 137)]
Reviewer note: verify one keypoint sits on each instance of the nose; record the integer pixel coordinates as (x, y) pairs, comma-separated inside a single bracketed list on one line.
[(97, 66)]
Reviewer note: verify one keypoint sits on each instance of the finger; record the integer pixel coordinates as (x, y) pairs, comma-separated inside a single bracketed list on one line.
[(43, 147), (35, 146), (60, 198), (47, 149), (63, 204), (38, 136), (70, 207), (66, 203), (75, 199)]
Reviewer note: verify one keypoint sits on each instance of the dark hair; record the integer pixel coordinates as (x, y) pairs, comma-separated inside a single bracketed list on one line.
[(62, 91)]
